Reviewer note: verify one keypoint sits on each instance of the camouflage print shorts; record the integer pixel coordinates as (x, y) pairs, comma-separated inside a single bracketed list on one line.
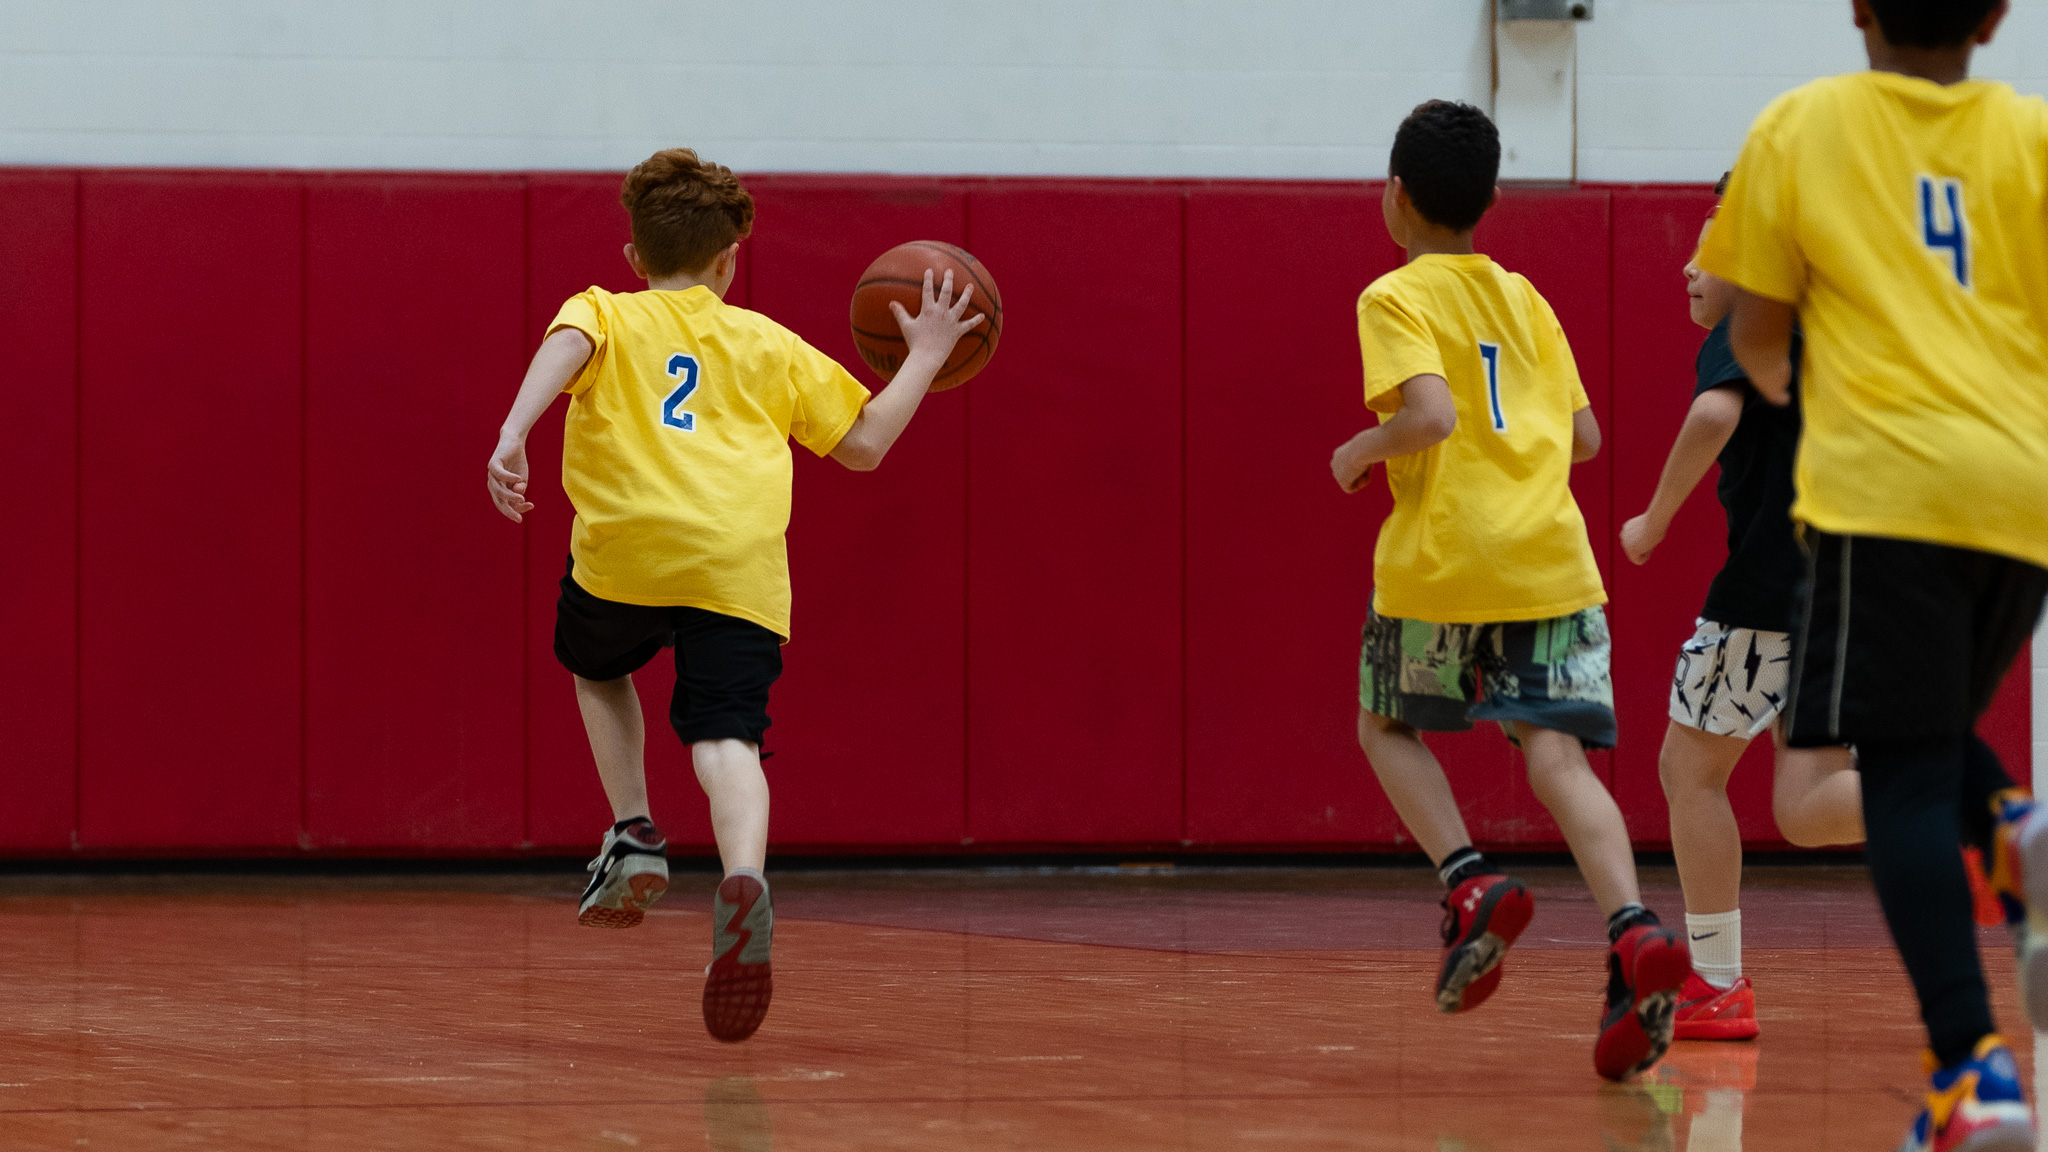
[(1442, 677)]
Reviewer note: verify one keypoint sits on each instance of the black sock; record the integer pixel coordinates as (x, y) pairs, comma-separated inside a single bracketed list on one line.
[(1626, 917), (1463, 865)]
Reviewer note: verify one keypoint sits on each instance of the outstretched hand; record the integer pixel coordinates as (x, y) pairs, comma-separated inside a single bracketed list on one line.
[(937, 325), (506, 476)]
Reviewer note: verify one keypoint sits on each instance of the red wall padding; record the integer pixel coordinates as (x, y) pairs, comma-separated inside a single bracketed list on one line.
[(1104, 596)]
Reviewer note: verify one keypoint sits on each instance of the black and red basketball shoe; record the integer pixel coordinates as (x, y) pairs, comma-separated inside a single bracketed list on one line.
[(629, 874), (1645, 969), (1482, 916), (737, 984)]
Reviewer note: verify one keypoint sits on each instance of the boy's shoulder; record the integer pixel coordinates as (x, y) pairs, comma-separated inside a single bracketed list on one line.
[(657, 309)]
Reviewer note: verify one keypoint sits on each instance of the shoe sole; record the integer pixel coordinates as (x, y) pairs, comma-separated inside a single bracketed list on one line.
[(1634, 1043), (1496, 923), (1714, 1029), (2033, 948), (626, 896), (2013, 1137), (736, 995)]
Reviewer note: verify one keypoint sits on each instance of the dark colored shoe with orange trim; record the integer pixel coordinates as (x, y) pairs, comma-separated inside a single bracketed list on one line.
[(1705, 1012), (738, 984), (1482, 917), (1645, 969)]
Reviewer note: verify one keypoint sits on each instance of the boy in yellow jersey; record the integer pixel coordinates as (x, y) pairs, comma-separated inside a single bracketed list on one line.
[(676, 457), (1902, 215), (1486, 600)]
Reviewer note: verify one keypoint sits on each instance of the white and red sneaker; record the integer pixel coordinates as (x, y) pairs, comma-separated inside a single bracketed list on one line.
[(738, 983), (1705, 1012), (1482, 917), (629, 874)]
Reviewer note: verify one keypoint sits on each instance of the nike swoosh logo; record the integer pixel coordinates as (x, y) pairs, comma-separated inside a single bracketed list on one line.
[(1706, 935)]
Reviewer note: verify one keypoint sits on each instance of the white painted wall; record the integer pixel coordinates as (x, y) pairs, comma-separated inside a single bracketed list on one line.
[(1276, 88), (1102, 87)]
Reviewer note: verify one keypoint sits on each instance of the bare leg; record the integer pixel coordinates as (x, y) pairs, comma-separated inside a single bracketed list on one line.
[(618, 740), (1415, 783), (1695, 767), (730, 771), (1817, 796), (1585, 812)]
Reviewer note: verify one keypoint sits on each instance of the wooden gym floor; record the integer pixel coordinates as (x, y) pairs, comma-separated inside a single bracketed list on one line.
[(1113, 1009)]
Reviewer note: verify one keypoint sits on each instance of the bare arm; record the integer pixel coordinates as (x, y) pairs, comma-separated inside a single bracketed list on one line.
[(1585, 435), (931, 335), (1761, 334), (561, 356), (1708, 425), (1427, 418)]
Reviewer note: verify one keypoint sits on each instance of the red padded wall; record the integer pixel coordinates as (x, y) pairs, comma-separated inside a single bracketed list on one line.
[(415, 297), (2008, 725), (1279, 562), (870, 731), (576, 230), (39, 518), (1074, 519), (190, 511)]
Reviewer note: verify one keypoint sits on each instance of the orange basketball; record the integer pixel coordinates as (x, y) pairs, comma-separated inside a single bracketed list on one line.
[(898, 275)]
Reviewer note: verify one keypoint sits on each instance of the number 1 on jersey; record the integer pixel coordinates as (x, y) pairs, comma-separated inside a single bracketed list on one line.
[(1954, 239), (683, 368), (1491, 354)]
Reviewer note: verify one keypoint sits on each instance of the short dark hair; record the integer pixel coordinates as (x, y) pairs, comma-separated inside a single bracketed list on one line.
[(1930, 23), (1721, 185), (685, 211), (1447, 155)]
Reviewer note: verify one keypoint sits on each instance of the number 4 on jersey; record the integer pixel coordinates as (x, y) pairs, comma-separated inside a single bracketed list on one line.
[(683, 368), (1954, 239)]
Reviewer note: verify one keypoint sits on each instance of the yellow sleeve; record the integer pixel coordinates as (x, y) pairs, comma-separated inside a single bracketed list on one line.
[(828, 398), (580, 312), (1396, 346), (1555, 348), (1754, 241)]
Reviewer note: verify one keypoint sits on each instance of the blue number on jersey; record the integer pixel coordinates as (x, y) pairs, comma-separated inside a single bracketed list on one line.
[(1491, 354), (683, 368), (1954, 239)]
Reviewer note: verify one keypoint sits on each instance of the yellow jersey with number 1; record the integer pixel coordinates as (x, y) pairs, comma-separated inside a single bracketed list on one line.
[(1907, 221), (1484, 528), (676, 453)]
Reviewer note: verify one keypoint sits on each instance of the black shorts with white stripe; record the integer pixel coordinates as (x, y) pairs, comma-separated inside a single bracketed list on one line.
[(1901, 639)]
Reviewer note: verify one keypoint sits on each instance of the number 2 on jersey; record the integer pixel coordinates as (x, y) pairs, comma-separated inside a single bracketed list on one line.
[(1491, 354), (1954, 239), (683, 368)]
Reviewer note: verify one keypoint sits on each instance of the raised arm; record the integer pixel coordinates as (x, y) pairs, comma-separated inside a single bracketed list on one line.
[(931, 335), (1427, 418), (561, 356), (1708, 425), (1761, 333)]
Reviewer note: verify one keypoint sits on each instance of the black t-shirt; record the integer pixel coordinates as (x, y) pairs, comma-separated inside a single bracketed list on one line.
[(1758, 586)]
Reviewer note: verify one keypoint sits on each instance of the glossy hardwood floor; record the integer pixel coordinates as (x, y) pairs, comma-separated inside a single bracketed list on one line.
[(1122, 1010)]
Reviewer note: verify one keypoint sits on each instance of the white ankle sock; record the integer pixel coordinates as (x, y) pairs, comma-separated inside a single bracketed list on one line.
[(1716, 943)]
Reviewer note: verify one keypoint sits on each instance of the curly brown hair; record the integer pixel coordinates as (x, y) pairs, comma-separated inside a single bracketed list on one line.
[(685, 211)]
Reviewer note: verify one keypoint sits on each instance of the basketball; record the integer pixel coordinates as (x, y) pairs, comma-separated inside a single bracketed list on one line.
[(898, 275)]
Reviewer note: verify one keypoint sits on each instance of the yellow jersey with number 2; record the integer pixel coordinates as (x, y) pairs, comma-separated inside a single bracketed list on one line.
[(1907, 221), (1484, 528), (676, 453)]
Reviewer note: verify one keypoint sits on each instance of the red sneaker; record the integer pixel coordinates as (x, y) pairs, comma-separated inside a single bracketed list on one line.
[(1645, 969), (1705, 1012), (1482, 917), (738, 983)]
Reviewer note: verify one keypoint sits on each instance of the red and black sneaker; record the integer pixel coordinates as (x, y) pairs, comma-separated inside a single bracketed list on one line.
[(1482, 916), (1705, 1012), (1645, 969), (737, 984)]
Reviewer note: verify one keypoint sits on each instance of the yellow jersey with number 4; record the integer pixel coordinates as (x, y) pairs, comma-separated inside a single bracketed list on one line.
[(1484, 528), (1907, 221), (676, 454)]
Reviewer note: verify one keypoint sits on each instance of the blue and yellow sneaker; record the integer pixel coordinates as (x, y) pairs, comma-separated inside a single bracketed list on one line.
[(2019, 878), (1974, 1106)]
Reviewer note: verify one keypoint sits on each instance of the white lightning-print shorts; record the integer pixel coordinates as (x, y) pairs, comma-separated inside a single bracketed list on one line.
[(1731, 681)]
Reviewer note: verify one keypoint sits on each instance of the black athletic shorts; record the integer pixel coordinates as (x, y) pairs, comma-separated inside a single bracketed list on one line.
[(1900, 639), (724, 665)]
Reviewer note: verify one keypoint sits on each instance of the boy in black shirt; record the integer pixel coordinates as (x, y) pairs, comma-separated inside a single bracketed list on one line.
[(1733, 674)]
